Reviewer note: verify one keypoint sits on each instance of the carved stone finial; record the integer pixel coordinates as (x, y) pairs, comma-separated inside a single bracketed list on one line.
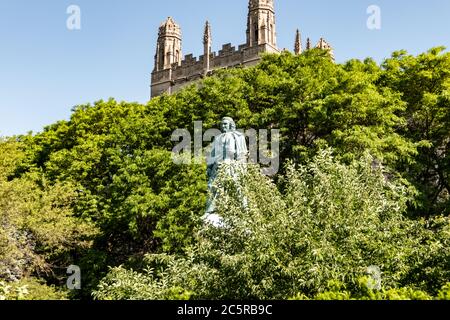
[(298, 43), (207, 38)]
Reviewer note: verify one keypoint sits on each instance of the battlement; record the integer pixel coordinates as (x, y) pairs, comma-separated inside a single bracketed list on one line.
[(226, 51), (192, 68), (172, 72), (188, 60)]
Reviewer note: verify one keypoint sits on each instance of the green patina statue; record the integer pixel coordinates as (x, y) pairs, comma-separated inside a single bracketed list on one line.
[(228, 149)]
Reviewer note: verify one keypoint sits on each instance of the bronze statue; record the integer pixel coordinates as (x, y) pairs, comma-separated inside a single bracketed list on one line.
[(228, 149)]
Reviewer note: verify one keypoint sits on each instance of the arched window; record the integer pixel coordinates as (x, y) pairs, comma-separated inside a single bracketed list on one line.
[(161, 58), (271, 34)]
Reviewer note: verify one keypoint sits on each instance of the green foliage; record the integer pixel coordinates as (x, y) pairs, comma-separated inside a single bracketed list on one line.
[(365, 293), (332, 223), (108, 173), (122, 284), (126, 181), (10, 156), (432, 257), (38, 230), (30, 289), (444, 294), (424, 83)]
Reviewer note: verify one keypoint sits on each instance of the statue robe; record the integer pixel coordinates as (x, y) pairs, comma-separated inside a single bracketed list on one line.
[(228, 147)]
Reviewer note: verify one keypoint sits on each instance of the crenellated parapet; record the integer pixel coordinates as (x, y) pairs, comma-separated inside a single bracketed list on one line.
[(192, 68), (173, 71)]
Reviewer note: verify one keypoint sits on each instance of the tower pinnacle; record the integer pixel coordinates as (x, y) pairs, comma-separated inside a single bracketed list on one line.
[(207, 35), (308, 44), (298, 43), (207, 40), (168, 47), (261, 24), (324, 45)]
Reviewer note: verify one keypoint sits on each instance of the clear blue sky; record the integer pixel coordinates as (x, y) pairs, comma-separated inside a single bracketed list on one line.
[(45, 69)]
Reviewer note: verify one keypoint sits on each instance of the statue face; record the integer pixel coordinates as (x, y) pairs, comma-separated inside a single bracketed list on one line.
[(226, 126)]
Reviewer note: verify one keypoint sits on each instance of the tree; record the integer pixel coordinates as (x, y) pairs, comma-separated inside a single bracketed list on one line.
[(113, 159), (424, 82), (333, 222), (39, 232)]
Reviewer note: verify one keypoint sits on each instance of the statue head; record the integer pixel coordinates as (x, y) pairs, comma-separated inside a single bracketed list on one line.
[(227, 125)]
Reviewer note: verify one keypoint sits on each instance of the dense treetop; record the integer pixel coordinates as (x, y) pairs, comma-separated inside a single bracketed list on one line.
[(106, 178)]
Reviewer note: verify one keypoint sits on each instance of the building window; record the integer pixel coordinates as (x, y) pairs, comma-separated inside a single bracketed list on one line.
[(272, 34)]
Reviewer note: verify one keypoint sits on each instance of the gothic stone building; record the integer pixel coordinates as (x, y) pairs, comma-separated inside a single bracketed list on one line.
[(172, 71)]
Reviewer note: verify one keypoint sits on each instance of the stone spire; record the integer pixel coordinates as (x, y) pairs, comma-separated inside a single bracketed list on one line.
[(308, 44), (207, 40), (324, 45), (207, 34), (321, 44), (298, 43), (168, 47), (261, 24)]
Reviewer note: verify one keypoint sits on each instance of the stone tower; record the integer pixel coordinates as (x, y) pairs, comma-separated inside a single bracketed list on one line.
[(172, 71), (168, 54), (324, 45), (168, 48), (261, 25), (298, 49)]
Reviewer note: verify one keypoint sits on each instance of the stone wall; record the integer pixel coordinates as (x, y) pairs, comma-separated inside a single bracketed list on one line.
[(192, 69)]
